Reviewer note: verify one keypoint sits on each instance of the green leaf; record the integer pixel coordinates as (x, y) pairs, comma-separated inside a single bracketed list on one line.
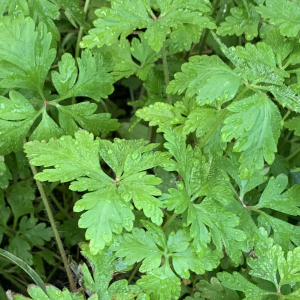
[(73, 12), (20, 196), (258, 64), (211, 222), (138, 246), (237, 282), (269, 260), (205, 121), (125, 16), (131, 58), (232, 165), (284, 233), (274, 198), (93, 80), (242, 20), (293, 124), (21, 249), (16, 118), (284, 14), (286, 97), (207, 77), (35, 233), (24, 67), (161, 114), (108, 204), (46, 129), (215, 291), (161, 284), (45, 11), (53, 293), (83, 114), (104, 264), (255, 124)]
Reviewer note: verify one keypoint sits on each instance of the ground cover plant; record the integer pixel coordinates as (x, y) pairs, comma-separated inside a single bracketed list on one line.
[(149, 149)]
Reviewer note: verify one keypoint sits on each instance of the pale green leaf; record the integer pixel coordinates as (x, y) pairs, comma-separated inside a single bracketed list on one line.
[(293, 124), (207, 77), (161, 114)]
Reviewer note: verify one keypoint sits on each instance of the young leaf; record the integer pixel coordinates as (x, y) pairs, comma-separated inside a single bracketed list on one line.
[(24, 66), (125, 16), (207, 77), (242, 20), (93, 80), (255, 124), (293, 124), (161, 114), (284, 14)]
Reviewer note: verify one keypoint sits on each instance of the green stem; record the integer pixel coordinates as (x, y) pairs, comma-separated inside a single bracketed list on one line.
[(169, 221), (206, 31), (54, 228), (166, 72), (213, 128), (59, 206), (80, 32), (286, 115), (134, 271), (79, 37), (293, 154)]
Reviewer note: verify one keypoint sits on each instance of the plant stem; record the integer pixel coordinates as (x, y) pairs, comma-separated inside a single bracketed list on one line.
[(134, 271), (169, 221), (166, 72), (80, 32), (286, 115), (206, 31), (54, 228), (293, 154), (59, 206)]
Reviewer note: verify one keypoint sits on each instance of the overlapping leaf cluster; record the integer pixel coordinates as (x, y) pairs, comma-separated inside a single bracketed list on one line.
[(214, 213)]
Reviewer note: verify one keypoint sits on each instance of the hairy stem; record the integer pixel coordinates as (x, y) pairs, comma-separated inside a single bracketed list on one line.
[(166, 72), (54, 228)]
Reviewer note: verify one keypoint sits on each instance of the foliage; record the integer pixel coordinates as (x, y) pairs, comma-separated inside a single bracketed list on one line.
[(165, 133)]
